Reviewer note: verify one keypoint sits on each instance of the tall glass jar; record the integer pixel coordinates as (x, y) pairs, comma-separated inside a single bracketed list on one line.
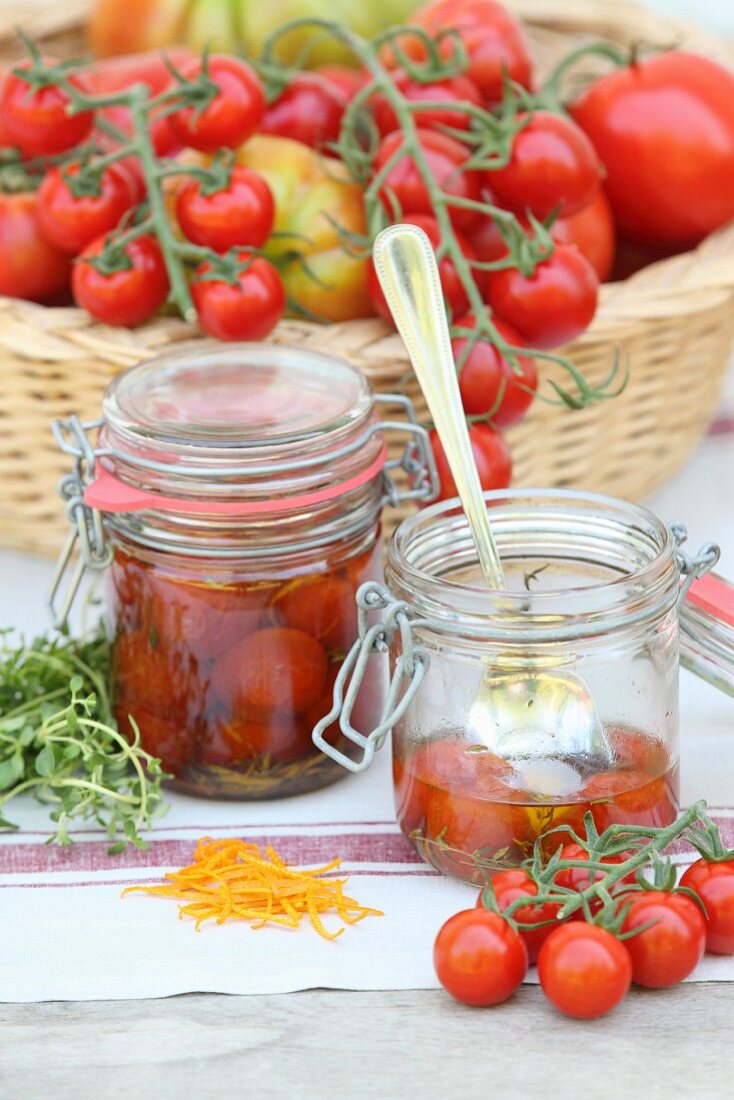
[(235, 496), (519, 710)]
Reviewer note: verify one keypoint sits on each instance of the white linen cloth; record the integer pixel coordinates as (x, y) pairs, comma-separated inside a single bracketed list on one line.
[(65, 933)]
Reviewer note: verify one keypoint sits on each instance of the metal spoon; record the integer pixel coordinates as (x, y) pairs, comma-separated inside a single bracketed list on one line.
[(523, 714)]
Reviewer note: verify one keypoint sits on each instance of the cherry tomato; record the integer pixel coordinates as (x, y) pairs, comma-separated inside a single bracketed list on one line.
[(454, 293), (143, 675), (248, 310), (664, 130), (551, 307), (479, 958), (577, 878), (170, 740), (455, 89), (29, 266), (71, 222), (492, 456), (404, 185), (280, 738), (714, 884), (126, 297), (203, 619), (488, 382), (37, 120), (552, 166), (346, 81), (323, 607), (593, 231), (240, 214), (309, 110), (584, 970), (493, 39), (410, 797), (673, 946), (231, 116), (276, 668), (516, 883)]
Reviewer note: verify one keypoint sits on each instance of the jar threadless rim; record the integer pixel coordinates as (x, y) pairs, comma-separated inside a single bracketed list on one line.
[(625, 552)]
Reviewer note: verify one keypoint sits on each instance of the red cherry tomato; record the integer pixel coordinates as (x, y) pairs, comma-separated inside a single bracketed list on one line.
[(584, 970), (37, 120), (29, 266), (240, 214), (552, 166), (309, 110), (346, 81), (170, 740), (71, 222), (515, 883), (664, 130), (714, 884), (455, 89), (276, 668), (126, 297), (488, 382), (673, 946), (578, 878), (404, 185), (454, 293), (143, 676), (279, 737), (231, 116), (492, 456), (593, 231), (479, 958), (248, 310), (493, 39), (324, 607), (551, 307), (199, 618)]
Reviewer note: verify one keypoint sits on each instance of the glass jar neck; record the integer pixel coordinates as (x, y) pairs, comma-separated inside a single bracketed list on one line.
[(576, 565)]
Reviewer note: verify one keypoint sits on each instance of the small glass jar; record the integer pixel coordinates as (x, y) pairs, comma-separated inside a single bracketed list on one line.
[(233, 496), (517, 711)]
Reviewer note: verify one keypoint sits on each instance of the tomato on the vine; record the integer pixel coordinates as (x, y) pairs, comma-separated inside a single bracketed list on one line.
[(491, 454), (37, 120), (29, 266), (488, 382), (584, 970), (231, 116), (454, 292), (664, 130), (450, 90), (70, 222), (578, 878), (479, 958), (593, 231), (493, 39), (671, 948), (247, 309), (242, 213), (346, 80), (516, 883), (127, 296), (309, 109), (713, 881), (405, 187), (552, 166), (552, 306)]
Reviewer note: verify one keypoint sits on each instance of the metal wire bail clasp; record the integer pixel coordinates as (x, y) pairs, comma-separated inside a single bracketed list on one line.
[(691, 568), (85, 545), (410, 668), (416, 460)]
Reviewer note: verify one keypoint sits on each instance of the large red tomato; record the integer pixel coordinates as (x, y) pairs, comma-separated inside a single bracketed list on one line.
[(664, 130)]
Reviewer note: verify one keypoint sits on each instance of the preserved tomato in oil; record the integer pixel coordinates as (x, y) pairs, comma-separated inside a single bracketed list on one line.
[(226, 672), (471, 813)]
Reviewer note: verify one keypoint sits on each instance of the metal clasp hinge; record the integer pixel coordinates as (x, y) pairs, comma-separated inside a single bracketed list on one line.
[(86, 546), (411, 666), (691, 568), (417, 459)]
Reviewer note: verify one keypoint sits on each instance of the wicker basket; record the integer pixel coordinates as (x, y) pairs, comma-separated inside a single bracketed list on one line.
[(675, 321)]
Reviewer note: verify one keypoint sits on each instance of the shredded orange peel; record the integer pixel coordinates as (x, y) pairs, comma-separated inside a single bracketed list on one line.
[(233, 880)]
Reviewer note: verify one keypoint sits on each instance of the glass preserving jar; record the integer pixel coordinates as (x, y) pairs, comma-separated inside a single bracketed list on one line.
[(516, 711), (233, 496)]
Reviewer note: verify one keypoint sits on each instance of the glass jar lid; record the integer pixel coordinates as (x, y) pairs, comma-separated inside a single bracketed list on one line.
[(252, 420)]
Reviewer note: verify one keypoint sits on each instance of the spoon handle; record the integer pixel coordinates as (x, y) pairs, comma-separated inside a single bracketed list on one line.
[(408, 274)]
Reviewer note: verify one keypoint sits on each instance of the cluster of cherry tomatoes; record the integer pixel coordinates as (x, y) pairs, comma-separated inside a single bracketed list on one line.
[(655, 939)]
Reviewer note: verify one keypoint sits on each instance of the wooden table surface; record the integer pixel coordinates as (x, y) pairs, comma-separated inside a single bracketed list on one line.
[(359, 1046)]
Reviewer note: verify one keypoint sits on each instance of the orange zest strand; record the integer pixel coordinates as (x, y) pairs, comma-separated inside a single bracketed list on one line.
[(232, 880)]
